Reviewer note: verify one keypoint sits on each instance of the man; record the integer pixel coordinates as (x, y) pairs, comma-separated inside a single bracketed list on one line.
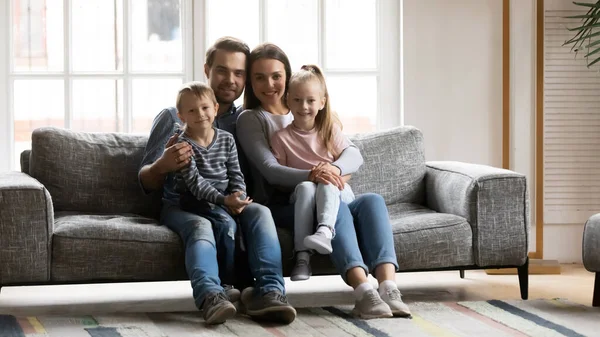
[(225, 70)]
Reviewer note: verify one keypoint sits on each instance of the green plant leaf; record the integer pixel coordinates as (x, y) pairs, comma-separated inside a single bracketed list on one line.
[(581, 38), (587, 4), (584, 16), (586, 27), (592, 52), (595, 43), (592, 63)]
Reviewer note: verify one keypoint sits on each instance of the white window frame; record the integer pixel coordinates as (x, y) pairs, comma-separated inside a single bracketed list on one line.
[(8, 76), (388, 71), (389, 105), (6, 129)]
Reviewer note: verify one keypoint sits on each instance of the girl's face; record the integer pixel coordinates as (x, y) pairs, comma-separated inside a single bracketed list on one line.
[(305, 99), (268, 81)]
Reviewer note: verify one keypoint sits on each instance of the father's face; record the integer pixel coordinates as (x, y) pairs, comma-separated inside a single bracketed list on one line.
[(227, 75)]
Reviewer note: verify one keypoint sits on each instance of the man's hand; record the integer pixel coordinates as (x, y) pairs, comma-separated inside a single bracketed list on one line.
[(235, 204), (175, 156)]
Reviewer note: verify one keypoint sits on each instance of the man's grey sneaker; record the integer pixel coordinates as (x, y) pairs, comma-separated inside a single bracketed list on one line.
[(301, 271), (319, 243), (393, 298), (232, 293), (216, 308), (371, 306), (272, 306)]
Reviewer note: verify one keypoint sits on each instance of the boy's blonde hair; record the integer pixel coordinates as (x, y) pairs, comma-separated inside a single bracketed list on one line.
[(196, 88), (326, 118)]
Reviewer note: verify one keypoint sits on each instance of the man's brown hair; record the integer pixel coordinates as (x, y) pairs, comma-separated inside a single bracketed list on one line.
[(227, 43)]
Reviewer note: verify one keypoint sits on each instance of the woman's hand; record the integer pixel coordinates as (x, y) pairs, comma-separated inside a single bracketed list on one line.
[(328, 167), (175, 156), (235, 204), (322, 174)]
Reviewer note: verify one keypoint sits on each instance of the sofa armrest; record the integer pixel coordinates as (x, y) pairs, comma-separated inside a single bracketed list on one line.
[(26, 224), (494, 201)]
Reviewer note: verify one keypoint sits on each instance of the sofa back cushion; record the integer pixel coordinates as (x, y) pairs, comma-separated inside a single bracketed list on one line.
[(91, 172), (394, 165)]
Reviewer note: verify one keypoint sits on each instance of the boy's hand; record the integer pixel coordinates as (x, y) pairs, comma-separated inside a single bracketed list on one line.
[(235, 203), (175, 156)]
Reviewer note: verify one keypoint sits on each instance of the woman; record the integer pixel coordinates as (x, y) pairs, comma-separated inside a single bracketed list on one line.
[(266, 113)]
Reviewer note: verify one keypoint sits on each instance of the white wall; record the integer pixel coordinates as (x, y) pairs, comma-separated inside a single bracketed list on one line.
[(453, 92), (453, 77)]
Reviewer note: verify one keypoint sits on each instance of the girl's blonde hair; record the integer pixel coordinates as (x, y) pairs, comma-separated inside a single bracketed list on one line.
[(326, 118)]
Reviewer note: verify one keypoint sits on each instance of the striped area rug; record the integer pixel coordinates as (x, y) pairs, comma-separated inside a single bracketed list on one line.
[(481, 318)]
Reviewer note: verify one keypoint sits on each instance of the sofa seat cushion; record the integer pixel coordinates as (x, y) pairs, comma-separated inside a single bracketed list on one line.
[(425, 239), (88, 247)]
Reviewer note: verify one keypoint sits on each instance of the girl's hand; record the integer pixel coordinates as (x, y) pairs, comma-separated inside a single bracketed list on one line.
[(324, 166), (235, 204), (326, 177)]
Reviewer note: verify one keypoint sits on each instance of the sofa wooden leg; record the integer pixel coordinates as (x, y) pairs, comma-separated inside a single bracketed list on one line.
[(523, 272), (462, 273), (596, 299)]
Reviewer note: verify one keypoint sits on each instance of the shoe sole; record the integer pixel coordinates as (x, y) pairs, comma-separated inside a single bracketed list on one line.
[(321, 249), (299, 277), (285, 315), (356, 313), (222, 315), (400, 313)]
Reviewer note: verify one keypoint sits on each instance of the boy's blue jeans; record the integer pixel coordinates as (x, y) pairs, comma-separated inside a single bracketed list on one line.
[(196, 232), (224, 229)]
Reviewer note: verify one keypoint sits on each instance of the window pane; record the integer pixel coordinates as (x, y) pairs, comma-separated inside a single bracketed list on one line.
[(351, 41), (98, 105), (96, 33), (149, 98), (357, 114), (300, 40), (37, 103), (224, 19), (38, 35), (156, 36)]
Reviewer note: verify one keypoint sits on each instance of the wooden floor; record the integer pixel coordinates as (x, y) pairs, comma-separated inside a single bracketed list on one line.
[(575, 284)]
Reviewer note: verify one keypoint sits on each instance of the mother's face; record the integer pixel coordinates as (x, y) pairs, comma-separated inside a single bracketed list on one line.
[(267, 77)]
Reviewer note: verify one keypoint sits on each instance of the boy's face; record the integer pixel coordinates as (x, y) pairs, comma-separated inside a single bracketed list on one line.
[(198, 113), (227, 75)]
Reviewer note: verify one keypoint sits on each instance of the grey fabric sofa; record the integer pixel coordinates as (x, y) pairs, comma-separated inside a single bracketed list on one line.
[(591, 253), (76, 213)]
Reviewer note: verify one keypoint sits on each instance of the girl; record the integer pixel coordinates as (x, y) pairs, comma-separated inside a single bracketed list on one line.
[(314, 136), (363, 242)]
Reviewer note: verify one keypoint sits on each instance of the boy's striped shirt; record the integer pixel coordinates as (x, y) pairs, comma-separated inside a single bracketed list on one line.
[(213, 171)]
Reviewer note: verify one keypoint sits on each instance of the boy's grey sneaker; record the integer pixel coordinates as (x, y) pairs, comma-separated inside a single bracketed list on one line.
[(232, 293), (371, 306), (301, 271), (272, 306), (393, 298), (216, 308), (319, 243)]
